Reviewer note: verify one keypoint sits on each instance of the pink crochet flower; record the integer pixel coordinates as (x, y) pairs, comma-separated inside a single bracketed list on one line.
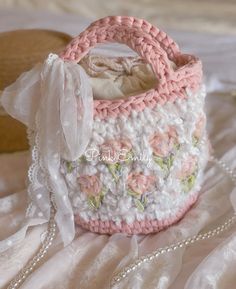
[(90, 185), (199, 127), (125, 148), (163, 143), (173, 137), (140, 183), (188, 167), (114, 151)]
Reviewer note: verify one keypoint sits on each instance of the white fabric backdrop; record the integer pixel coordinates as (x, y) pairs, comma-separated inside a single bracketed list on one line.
[(90, 261)]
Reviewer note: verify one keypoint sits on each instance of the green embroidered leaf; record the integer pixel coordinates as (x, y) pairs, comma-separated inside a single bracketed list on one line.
[(144, 200), (188, 183), (132, 193), (102, 193), (169, 161), (69, 167), (129, 158), (191, 181), (164, 163), (91, 202), (82, 159), (115, 169), (160, 162), (139, 205), (177, 146), (118, 167), (95, 201), (101, 196), (195, 141)]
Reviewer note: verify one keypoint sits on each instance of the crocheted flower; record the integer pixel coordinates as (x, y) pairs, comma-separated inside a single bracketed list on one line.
[(159, 144), (139, 184), (198, 132), (109, 151), (164, 145), (92, 186), (113, 153), (173, 137), (188, 167), (187, 174), (125, 150)]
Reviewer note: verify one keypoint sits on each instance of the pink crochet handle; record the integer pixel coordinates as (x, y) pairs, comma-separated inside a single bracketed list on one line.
[(153, 45)]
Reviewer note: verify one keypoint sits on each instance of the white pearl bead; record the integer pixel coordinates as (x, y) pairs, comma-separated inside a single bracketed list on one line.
[(117, 279)]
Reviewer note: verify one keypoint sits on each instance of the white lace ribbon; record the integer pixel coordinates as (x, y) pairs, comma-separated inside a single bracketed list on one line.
[(55, 100)]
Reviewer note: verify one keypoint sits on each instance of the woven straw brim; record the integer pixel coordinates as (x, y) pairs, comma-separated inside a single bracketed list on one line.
[(20, 50)]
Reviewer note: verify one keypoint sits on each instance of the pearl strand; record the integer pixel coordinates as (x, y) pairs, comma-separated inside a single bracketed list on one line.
[(185, 242), (47, 242)]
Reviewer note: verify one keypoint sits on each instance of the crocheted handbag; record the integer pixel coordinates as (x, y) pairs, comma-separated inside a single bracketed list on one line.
[(132, 164)]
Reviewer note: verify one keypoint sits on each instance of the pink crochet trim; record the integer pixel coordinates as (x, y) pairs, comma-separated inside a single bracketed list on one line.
[(152, 45), (138, 227)]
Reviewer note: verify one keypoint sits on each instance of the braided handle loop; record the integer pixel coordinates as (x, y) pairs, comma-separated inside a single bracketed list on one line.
[(150, 43)]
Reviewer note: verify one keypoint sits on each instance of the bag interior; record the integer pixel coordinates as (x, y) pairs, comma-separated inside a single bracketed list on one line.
[(118, 78)]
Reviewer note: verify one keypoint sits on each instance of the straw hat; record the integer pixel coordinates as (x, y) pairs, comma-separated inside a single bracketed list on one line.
[(20, 50)]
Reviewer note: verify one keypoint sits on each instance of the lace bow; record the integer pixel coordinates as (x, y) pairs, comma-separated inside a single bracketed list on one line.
[(54, 100)]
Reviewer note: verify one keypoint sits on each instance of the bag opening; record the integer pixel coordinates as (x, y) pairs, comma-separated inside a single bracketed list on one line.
[(118, 77)]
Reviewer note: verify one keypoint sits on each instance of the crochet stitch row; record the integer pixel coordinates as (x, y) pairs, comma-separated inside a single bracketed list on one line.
[(152, 45), (137, 227)]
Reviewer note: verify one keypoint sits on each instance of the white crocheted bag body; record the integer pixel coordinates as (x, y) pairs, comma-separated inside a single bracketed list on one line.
[(141, 172), (143, 166)]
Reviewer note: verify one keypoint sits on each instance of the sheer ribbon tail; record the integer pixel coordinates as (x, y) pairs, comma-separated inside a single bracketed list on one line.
[(64, 129), (55, 101), (21, 99)]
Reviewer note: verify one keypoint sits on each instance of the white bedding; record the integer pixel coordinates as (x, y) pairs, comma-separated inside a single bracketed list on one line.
[(90, 261)]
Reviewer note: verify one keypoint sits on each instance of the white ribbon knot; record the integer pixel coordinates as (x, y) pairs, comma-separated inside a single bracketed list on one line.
[(55, 100)]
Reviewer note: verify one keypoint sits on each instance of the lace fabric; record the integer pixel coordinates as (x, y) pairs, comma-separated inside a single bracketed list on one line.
[(55, 101)]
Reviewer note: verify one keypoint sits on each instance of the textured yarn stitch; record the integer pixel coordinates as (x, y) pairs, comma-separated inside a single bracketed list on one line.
[(152, 45)]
